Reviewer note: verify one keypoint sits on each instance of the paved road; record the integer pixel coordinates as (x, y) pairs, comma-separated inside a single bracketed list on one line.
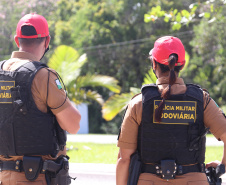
[(93, 174)]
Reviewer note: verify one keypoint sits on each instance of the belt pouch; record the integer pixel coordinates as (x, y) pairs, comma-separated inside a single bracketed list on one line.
[(168, 168), (32, 167)]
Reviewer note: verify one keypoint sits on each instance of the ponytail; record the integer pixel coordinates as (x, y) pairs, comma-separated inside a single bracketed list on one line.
[(166, 92)]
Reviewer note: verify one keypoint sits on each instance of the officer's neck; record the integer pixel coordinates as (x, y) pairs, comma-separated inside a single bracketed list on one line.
[(36, 50), (165, 75)]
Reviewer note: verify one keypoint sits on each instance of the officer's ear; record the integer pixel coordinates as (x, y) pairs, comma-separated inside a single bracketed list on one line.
[(153, 63), (48, 38), (17, 41)]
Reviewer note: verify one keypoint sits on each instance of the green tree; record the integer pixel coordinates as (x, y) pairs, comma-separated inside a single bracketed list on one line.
[(208, 66), (68, 63), (191, 14)]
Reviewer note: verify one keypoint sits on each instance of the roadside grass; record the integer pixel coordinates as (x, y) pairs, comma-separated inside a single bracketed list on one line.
[(107, 153), (214, 153), (92, 153)]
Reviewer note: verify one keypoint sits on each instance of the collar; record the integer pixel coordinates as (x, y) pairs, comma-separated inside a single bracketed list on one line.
[(24, 55), (165, 81)]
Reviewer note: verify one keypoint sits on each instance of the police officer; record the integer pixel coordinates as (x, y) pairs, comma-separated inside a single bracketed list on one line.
[(167, 124), (35, 112)]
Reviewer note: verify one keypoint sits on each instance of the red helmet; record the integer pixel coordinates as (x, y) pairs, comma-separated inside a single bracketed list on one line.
[(37, 21), (165, 46)]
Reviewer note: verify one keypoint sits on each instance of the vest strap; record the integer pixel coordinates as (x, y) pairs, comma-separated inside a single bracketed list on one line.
[(1, 64)]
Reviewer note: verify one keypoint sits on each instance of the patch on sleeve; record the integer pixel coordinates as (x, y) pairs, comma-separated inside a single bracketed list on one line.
[(58, 84)]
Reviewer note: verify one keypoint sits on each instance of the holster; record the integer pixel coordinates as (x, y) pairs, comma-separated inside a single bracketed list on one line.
[(57, 172), (134, 169), (213, 174)]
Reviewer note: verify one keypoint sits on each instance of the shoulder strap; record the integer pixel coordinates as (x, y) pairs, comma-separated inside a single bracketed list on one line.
[(1, 64), (31, 66), (149, 91), (194, 91), (148, 85)]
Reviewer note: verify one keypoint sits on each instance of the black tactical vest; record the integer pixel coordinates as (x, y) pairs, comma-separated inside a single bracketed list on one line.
[(181, 134), (24, 129)]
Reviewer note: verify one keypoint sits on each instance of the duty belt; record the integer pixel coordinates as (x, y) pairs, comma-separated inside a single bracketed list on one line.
[(168, 169), (18, 166), (57, 172), (12, 166)]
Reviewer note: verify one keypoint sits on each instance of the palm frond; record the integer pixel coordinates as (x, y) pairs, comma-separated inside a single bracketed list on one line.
[(115, 104), (150, 77), (67, 62), (98, 80), (134, 90), (82, 96)]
